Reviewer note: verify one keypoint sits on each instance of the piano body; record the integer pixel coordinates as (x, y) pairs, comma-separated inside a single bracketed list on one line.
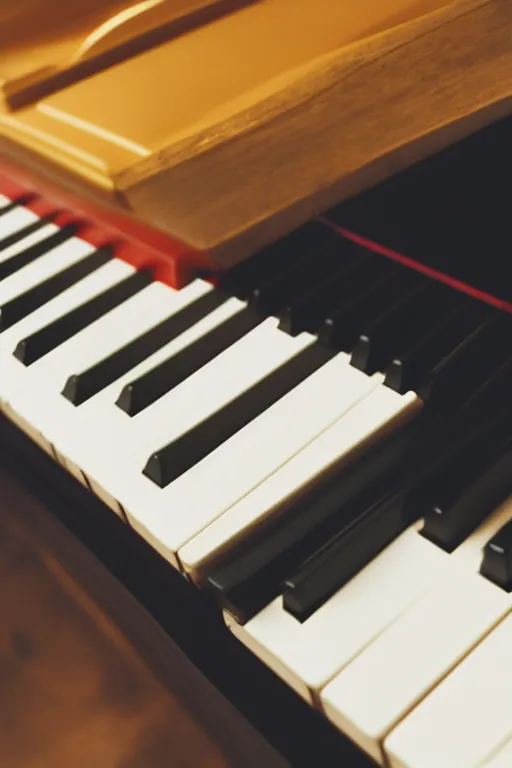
[(255, 344)]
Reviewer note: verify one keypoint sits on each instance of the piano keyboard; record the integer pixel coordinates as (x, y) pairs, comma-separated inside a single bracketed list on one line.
[(321, 439)]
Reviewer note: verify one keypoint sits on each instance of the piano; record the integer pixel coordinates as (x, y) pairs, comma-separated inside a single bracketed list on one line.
[(265, 380)]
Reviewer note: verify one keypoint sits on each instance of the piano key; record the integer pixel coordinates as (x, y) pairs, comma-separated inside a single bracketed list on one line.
[(8, 267), (465, 499), (13, 218), (497, 559), (273, 295), (253, 574), (492, 393), (307, 310), (21, 234), (307, 655), (361, 284), (147, 389), (189, 306), (49, 373), (409, 658), (382, 510), (49, 265), (341, 329), (466, 719), (335, 388), (354, 546), (175, 458), (5, 203), (46, 339), (42, 233), (73, 429), (452, 379), (415, 364), (212, 387), (24, 304), (260, 447), (16, 377), (103, 336), (502, 758), (112, 272), (244, 277), (411, 318)]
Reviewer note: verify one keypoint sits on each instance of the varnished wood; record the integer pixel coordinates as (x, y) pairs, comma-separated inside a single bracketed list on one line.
[(86, 677), (45, 46), (258, 165)]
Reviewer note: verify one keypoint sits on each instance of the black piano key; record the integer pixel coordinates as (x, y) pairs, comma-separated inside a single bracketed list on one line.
[(33, 252), (53, 335), (409, 319), (252, 576), (308, 309), (149, 387), (174, 459), (343, 327), (274, 294), (497, 560), (469, 492), (243, 278), (80, 387), (379, 515), (6, 242), (15, 310), (18, 203), (416, 361), (473, 364), (492, 394), (374, 528)]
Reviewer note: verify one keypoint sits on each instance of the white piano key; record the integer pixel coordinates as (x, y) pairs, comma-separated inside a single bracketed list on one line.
[(502, 758), (28, 241), (384, 683), (368, 698), (44, 267), (308, 655), (147, 506), (47, 376), (14, 373), (4, 201), (261, 449), (465, 720), (14, 220), (73, 431), (376, 412)]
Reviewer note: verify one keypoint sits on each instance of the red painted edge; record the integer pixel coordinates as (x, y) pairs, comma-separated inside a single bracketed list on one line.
[(171, 261), (141, 245), (458, 285)]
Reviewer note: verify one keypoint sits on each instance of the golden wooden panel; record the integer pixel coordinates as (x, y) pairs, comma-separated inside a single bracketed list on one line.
[(74, 692), (47, 45), (240, 130)]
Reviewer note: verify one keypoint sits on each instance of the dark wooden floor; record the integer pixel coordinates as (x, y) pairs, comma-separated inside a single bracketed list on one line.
[(75, 691), (175, 631)]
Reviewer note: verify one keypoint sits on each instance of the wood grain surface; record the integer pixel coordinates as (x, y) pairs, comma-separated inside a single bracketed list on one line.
[(74, 692), (348, 121), (245, 172)]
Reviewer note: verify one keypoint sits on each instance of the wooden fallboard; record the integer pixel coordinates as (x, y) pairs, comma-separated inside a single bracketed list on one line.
[(242, 129)]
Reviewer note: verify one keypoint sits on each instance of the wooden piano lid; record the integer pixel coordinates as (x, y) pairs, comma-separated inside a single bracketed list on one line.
[(46, 45), (239, 130)]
